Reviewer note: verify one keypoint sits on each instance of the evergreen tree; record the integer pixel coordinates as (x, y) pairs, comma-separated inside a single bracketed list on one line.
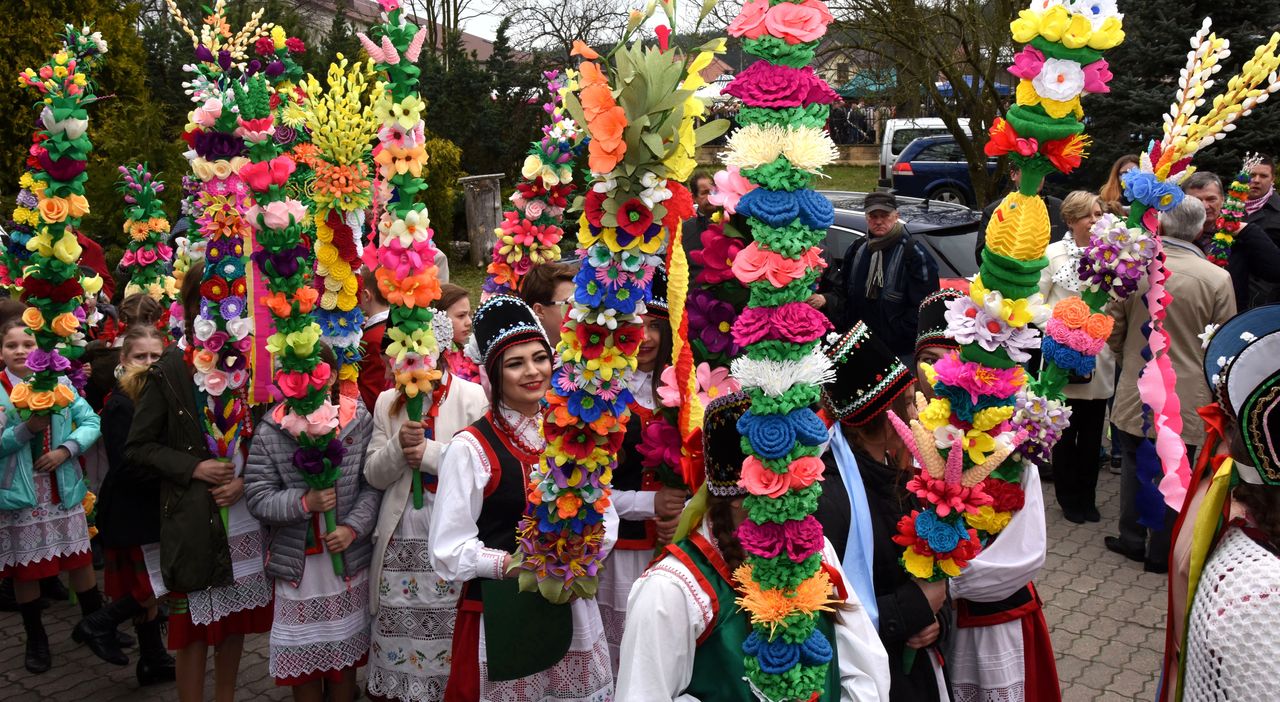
[(1146, 69), (340, 39), (124, 125)]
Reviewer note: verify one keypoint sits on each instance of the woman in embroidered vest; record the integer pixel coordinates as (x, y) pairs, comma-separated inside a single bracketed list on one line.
[(685, 633), (1000, 647), (864, 495), (1075, 456), (42, 523), (1232, 604), (413, 608), (129, 510), (479, 503), (218, 590), (647, 511), (320, 633)]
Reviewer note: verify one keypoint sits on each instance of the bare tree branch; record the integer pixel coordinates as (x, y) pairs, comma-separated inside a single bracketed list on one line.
[(555, 25)]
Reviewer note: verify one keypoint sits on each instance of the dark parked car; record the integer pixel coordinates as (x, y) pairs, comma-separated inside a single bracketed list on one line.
[(949, 231), (935, 168)]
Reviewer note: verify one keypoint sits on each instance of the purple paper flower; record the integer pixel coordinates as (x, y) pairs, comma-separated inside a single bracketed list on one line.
[(232, 307), (214, 146), (711, 322)]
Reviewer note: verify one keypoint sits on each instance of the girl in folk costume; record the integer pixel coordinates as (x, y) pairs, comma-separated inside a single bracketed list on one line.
[(864, 494), (1226, 547), (685, 634), (456, 307), (647, 511), (412, 606), (999, 648), (321, 630), (43, 530), (129, 511), (213, 569), (479, 503)]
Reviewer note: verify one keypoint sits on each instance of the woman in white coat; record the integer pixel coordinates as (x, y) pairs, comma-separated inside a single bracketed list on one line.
[(412, 606)]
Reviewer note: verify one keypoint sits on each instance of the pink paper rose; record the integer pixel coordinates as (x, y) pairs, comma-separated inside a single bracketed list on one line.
[(798, 24), (750, 22)]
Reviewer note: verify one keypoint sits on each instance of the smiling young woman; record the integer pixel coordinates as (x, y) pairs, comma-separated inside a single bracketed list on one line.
[(479, 503)]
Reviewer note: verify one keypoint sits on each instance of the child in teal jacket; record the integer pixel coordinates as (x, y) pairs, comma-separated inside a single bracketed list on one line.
[(43, 529)]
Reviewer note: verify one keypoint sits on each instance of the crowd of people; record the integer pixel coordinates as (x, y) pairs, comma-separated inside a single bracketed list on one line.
[(215, 551)]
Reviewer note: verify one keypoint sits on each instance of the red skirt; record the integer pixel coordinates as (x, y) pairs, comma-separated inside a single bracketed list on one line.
[(48, 568), (333, 676), (126, 575), (183, 632)]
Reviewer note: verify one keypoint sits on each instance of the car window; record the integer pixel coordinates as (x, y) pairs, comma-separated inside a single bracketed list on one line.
[(902, 137), (954, 253), (943, 151)]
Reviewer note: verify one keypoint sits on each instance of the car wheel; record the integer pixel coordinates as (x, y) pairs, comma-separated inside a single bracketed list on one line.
[(949, 194)]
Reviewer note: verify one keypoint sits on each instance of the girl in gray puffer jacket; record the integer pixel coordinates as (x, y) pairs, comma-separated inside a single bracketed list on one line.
[(321, 630)]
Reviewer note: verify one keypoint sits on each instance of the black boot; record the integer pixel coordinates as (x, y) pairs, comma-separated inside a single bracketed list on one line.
[(37, 659), (98, 628), (155, 665)]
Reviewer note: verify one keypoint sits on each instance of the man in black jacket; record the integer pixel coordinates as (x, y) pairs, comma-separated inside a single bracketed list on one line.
[(1263, 205), (883, 279), (1254, 257)]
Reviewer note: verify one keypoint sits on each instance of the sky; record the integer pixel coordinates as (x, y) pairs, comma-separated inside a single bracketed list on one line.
[(485, 23)]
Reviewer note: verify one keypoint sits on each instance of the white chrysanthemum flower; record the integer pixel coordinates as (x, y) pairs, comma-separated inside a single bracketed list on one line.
[(1059, 80), (776, 377), (1097, 11), (806, 148)]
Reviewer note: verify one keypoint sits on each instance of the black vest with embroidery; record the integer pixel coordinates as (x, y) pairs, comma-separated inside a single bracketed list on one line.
[(630, 475), (504, 496)]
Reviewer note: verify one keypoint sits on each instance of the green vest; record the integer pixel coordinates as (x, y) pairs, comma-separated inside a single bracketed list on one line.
[(718, 669)]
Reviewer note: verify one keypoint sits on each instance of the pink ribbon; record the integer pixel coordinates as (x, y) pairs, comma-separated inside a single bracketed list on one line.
[(262, 388), (1157, 386)]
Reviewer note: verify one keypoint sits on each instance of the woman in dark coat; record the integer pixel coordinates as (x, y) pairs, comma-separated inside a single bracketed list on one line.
[(864, 495)]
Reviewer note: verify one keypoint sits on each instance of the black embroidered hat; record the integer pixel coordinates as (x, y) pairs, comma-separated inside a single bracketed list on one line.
[(868, 377), (501, 322), (658, 306), (932, 327), (1251, 386), (722, 444)]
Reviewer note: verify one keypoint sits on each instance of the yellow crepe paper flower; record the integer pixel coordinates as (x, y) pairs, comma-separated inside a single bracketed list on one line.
[(918, 564), (991, 417), (978, 444), (937, 414), (988, 520), (1056, 109)]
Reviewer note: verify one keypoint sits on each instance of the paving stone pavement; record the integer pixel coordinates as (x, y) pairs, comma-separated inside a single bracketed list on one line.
[(1106, 617)]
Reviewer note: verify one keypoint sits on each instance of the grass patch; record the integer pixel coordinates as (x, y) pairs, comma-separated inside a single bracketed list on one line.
[(469, 277), (852, 178)]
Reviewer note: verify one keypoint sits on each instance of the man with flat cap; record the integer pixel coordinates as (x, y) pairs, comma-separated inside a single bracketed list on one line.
[(883, 279)]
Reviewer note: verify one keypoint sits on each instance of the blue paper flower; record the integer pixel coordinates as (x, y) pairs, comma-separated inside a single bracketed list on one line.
[(770, 435), (816, 211), (776, 208), (816, 650), (1067, 358), (942, 536), (775, 657)]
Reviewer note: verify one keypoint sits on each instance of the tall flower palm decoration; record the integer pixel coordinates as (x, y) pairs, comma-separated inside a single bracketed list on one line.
[(223, 329), (1155, 186), (638, 109), (147, 255), (988, 416), (342, 123), (51, 279), (406, 272), (778, 150), (285, 263), (530, 231)]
